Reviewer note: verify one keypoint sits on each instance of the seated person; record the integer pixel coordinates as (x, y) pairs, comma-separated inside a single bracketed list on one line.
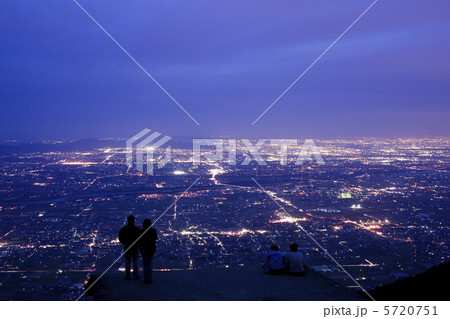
[(295, 265), (275, 261)]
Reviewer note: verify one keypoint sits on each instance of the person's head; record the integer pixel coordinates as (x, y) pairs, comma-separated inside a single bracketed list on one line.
[(274, 247), (131, 220), (293, 247), (147, 223)]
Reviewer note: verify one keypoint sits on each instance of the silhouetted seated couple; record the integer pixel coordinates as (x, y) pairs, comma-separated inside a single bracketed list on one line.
[(278, 263), (134, 240)]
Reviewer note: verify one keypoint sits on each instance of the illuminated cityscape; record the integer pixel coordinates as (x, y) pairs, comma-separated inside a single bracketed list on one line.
[(380, 207)]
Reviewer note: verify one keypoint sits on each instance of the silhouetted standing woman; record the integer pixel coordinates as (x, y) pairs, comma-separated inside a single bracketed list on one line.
[(148, 249)]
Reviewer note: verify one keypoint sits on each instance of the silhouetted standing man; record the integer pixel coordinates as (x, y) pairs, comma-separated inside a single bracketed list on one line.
[(127, 237), (147, 244)]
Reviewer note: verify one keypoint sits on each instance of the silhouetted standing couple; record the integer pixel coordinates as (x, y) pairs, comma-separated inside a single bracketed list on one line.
[(134, 240)]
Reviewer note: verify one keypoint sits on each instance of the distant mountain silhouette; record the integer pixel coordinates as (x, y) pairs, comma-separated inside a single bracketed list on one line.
[(430, 285), (40, 147), (86, 144)]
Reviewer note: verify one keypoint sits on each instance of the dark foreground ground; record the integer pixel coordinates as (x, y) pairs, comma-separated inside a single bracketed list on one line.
[(431, 285), (237, 283)]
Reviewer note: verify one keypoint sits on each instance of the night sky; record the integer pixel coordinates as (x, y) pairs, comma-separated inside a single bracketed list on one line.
[(62, 77)]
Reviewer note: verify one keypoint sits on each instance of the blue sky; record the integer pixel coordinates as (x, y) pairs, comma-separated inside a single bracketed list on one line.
[(225, 62)]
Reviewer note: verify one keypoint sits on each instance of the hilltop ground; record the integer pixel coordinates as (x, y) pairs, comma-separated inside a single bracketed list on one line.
[(234, 283)]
